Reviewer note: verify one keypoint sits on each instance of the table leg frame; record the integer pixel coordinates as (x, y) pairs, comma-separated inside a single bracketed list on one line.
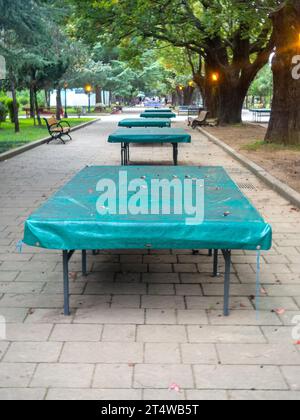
[(123, 154), (67, 255), (227, 257), (175, 153)]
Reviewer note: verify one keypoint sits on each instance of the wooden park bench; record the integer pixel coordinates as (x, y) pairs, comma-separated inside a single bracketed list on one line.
[(201, 120), (58, 129)]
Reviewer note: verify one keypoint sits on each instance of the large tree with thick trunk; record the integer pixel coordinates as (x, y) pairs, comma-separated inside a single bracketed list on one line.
[(284, 127), (231, 37)]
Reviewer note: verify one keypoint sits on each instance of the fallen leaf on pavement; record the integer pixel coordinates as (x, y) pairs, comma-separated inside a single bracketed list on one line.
[(73, 276), (174, 387), (280, 311)]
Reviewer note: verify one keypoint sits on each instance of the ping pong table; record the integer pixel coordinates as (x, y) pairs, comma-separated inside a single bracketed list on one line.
[(159, 110), (258, 114), (69, 220), (149, 135), (145, 122), (158, 114)]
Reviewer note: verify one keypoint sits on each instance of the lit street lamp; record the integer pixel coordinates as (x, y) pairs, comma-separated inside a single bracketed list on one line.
[(66, 109), (215, 77), (88, 90)]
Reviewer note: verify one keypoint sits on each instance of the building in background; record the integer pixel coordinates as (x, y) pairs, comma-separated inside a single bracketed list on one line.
[(77, 98)]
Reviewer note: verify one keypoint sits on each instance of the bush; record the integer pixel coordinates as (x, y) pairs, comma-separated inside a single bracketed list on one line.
[(4, 99), (10, 106), (23, 100), (3, 112)]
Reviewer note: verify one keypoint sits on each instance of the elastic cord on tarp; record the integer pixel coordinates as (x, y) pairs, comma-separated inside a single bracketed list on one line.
[(258, 288), (19, 246)]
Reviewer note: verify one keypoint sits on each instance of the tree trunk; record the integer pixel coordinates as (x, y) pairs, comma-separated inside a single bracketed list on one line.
[(211, 100), (32, 113), (38, 116), (284, 126), (174, 99), (98, 95), (209, 93), (15, 105), (188, 95), (230, 102), (224, 96), (47, 98), (58, 104), (180, 99)]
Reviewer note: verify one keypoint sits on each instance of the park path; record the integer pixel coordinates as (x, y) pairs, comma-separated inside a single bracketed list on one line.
[(143, 321)]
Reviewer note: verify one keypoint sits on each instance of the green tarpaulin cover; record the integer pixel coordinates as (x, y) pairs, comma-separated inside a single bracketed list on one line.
[(70, 221), (159, 110), (158, 115), (150, 135), (145, 122), (261, 110)]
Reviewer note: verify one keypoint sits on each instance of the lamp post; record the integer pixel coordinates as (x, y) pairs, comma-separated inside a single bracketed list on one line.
[(181, 89), (66, 109), (88, 91), (215, 81)]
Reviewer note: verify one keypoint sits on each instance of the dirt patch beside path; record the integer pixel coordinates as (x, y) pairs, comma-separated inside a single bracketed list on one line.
[(247, 139)]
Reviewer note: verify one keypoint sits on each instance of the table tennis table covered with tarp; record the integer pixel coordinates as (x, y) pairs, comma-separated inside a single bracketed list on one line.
[(74, 219), (149, 135), (158, 114), (259, 113), (159, 110), (145, 122)]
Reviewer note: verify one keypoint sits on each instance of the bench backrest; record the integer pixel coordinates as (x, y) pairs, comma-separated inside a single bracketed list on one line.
[(52, 120), (202, 115)]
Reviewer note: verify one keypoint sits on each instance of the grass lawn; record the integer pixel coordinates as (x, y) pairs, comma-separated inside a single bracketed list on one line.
[(262, 145), (10, 140)]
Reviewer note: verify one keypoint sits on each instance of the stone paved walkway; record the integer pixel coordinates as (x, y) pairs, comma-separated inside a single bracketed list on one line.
[(142, 321)]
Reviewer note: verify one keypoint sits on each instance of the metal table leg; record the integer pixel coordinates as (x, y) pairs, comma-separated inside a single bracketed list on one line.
[(127, 153), (67, 255), (66, 258), (123, 154), (216, 261), (175, 153), (227, 257)]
